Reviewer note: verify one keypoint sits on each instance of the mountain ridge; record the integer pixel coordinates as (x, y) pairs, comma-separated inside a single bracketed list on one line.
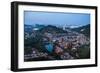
[(83, 29)]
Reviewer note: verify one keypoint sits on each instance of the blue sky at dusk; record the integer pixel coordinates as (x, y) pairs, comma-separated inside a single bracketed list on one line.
[(58, 19)]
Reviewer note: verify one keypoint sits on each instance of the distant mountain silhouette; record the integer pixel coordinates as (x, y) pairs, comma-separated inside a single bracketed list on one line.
[(52, 29), (83, 29)]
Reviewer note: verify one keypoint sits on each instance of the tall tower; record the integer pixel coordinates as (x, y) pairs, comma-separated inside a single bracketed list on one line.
[(65, 27)]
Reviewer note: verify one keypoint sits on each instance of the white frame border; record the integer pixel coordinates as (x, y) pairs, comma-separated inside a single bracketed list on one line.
[(22, 64)]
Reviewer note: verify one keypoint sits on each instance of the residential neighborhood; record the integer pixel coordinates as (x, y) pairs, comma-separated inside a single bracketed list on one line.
[(55, 43)]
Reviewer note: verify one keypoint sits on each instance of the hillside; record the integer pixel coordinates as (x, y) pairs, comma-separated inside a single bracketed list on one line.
[(52, 29), (84, 30)]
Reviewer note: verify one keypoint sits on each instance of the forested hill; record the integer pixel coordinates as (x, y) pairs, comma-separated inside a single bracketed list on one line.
[(84, 30), (52, 29)]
